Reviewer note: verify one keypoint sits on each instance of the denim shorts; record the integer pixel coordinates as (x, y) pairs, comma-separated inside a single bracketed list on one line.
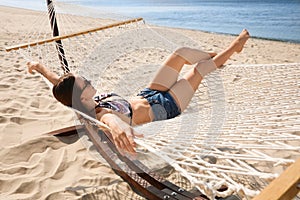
[(162, 104)]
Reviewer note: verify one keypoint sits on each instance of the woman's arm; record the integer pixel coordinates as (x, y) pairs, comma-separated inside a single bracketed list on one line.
[(122, 133), (51, 76)]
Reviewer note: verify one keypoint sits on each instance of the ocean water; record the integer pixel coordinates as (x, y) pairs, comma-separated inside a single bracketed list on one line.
[(269, 19)]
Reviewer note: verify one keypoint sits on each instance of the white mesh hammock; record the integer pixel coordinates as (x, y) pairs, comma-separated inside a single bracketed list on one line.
[(232, 135)]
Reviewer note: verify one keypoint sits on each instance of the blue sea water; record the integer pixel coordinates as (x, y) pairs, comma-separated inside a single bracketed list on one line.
[(270, 19)]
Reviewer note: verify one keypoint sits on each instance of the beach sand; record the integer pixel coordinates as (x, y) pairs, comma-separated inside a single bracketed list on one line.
[(38, 166)]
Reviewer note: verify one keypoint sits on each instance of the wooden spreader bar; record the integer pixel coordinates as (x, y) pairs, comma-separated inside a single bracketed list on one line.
[(286, 186), (58, 38)]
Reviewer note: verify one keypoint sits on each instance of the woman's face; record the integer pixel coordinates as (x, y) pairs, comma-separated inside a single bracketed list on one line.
[(87, 90)]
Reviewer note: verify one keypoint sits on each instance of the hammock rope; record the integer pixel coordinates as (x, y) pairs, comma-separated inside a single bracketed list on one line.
[(229, 134)]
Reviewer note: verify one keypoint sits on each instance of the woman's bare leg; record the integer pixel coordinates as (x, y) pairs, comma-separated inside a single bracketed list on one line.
[(167, 75), (236, 46), (185, 88)]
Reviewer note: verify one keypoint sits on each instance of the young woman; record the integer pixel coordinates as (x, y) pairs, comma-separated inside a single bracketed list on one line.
[(164, 98)]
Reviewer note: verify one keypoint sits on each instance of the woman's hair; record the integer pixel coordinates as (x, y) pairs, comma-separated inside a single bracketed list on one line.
[(63, 90), (68, 93)]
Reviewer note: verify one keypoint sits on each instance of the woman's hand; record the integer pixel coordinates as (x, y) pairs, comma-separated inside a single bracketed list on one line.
[(32, 65), (122, 133), (123, 137), (36, 66)]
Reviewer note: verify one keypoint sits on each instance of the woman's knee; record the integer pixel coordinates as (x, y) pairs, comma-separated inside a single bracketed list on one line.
[(206, 67), (191, 55)]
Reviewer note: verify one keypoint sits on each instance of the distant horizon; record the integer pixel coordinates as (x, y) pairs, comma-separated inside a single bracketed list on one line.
[(264, 18)]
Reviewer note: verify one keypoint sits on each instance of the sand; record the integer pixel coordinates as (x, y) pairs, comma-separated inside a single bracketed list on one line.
[(38, 166)]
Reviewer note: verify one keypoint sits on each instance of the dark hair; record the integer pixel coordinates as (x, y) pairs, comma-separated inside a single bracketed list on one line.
[(68, 93), (63, 90)]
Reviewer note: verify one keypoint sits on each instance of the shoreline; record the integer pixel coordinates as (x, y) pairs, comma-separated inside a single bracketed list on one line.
[(256, 37), (229, 34), (179, 27)]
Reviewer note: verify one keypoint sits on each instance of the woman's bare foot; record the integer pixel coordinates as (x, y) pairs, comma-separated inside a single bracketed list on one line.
[(239, 42)]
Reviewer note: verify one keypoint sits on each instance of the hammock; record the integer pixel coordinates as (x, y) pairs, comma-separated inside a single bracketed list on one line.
[(230, 135)]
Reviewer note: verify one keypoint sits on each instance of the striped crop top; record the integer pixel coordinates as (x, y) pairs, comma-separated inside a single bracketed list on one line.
[(114, 102)]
